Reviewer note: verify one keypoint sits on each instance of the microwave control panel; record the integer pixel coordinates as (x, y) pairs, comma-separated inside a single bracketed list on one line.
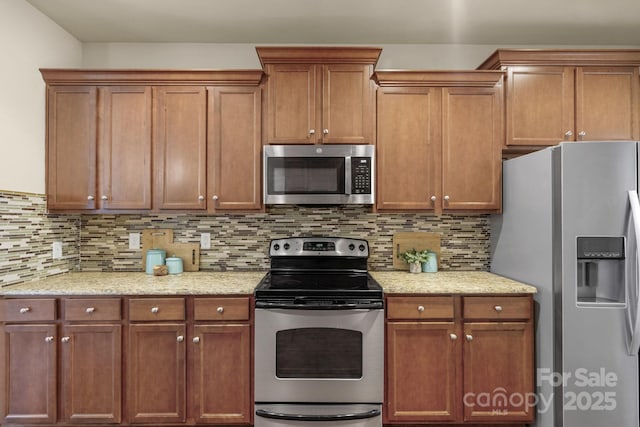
[(361, 175)]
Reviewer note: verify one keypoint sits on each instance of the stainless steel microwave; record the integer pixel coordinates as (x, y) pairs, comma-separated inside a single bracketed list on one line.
[(319, 174)]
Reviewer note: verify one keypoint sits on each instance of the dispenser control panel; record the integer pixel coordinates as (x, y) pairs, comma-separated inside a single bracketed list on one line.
[(601, 247)]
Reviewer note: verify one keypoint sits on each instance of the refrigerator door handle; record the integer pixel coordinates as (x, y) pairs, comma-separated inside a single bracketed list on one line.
[(633, 306)]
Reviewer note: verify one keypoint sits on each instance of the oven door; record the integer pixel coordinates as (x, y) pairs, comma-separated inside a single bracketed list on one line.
[(357, 415), (322, 356)]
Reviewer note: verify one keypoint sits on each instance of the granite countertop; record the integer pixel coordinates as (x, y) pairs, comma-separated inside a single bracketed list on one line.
[(243, 283)]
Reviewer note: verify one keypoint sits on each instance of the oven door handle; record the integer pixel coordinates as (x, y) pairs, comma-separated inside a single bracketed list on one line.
[(292, 306), (299, 417)]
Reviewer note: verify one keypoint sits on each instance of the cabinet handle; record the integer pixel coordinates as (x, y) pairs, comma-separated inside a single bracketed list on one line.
[(420, 308), (469, 337), (215, 197), (433, 198), (25, 310), (498, 308), (65, 339), (90, 198), (48, 339), (312, 131), (453, 337), (568, 133), (325, 131), (201, 197), (180, 338), (155, 309), (582, 134), (104, 198), (446, 198), (90, 310), (196, 340)]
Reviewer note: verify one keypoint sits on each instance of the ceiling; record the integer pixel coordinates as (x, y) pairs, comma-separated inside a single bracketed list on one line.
[(497, 22)]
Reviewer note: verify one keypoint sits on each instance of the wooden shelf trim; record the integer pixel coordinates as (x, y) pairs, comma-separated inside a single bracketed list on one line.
[(318, 55), (586, 57), (173, 77), (404, 78)]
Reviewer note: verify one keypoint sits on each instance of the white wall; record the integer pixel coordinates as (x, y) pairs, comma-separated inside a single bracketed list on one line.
[(28, 41)]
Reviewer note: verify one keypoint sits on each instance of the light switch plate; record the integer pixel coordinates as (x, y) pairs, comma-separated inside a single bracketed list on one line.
[(205, 240), (134, 241), (56, 250)]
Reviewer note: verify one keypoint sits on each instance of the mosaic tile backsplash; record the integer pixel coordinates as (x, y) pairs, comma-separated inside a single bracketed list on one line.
[(239, 242)]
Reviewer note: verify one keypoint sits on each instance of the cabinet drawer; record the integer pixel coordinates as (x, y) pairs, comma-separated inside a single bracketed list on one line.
[(221, 309), (29, 310), (85, 309), (152, 309), (425, 308), (497, 308)]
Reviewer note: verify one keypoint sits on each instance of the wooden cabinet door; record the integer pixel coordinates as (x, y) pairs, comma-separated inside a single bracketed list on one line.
[(293, 97), (607, 103), (180, 123), (71, 147), (498, 372), (156, 373), (347, 104), (423, 372), (471, 144), (91, 373), (540, 105), (125, 148), (28, 394), (234, 150), (221, 387), (408, 148)]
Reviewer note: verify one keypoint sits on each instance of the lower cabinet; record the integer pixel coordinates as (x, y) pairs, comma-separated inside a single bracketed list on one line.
[(459, 359)]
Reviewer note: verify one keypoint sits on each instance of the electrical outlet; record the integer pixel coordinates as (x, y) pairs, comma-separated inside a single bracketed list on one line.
[(134, 241), (56, 250), (205, 240)]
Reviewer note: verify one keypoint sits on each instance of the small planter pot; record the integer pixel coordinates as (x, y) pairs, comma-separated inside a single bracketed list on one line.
[(431, 265), (415, 267)]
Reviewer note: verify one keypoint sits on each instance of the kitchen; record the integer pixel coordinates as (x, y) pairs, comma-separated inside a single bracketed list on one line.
[(100, 242)]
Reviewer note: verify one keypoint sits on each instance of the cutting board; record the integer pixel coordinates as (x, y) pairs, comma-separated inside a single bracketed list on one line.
[(162, 238), (419, 241)]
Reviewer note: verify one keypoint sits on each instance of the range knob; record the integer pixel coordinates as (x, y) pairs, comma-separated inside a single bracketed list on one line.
[(276, 247), (351, 246), (286, 246), (362, 248)]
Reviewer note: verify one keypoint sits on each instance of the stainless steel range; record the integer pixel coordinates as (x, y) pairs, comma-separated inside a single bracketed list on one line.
[(319, 336)]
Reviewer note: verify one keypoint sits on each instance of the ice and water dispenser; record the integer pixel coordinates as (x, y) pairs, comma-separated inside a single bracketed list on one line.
[(601, 270)]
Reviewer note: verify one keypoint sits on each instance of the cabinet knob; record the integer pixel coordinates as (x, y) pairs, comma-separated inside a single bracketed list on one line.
[(469, 337), (453, 337), (582, 134), (180, 338), (312, 131), (433, 198), (90, 310), (196, 340), (90, 198), (25, 310), (498, 308), (104, 198), (568, 133), (65, 339), (215, 197), (220, 310), (325, 131), (155, 309), (201, 197), (446, 198), (420, 308), (48, 339)]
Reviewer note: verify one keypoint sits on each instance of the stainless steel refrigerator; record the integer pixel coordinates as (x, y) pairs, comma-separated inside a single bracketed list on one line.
[(568, 228)]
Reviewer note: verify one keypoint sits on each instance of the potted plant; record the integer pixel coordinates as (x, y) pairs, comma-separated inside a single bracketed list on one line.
[(414, 259)]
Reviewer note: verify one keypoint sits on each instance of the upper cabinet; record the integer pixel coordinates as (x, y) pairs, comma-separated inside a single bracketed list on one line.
[(439, 141), (131, 141), (567, 95), (319, 94)]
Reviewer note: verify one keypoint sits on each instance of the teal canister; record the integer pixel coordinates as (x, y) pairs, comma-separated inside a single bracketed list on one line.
[(174, 265), (155, 257), (431, 265)]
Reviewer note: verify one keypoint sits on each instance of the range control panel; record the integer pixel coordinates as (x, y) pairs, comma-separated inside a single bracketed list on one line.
[(319, 246)]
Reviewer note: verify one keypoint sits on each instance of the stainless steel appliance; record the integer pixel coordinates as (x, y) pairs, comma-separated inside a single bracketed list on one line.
[(319, 174), (570, 227), (319, 336)]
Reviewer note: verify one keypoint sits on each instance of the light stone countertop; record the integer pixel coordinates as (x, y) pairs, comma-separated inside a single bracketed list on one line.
[(243, 283)]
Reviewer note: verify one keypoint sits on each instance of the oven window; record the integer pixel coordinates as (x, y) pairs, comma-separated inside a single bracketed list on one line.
[(306, 175), (319, 353)]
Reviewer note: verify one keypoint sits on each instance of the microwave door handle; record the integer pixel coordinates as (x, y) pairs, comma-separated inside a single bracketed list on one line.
[(300, 417), (347, 176)]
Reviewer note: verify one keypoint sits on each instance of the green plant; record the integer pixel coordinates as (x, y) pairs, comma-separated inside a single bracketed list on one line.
[(412, 255)]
